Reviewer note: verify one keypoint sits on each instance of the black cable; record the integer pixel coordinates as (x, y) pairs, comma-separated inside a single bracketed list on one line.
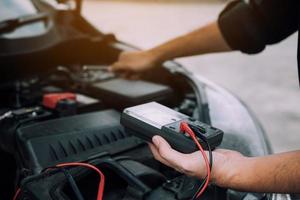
[(210, 165), (72, 184), (210, 155)]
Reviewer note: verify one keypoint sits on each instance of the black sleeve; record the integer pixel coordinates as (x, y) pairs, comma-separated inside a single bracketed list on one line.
[(250, 25)]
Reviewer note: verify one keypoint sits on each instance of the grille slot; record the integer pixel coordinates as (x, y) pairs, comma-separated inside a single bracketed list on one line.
[(45, 144), (84, 141)]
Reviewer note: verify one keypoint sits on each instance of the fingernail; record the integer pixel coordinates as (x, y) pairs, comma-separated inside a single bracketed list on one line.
[(155, 140)]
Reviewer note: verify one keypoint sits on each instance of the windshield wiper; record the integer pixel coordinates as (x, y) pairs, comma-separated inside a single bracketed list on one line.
[(11, 24)]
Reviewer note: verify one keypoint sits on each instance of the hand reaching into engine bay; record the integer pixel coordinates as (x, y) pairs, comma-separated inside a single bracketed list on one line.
[(278, 173), (131, 64)]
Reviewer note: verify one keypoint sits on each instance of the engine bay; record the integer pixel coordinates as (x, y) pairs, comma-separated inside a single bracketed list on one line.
[(73, 115), (60, 104)]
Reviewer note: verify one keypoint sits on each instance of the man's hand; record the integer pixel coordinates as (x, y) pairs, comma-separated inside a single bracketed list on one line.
[(277, 173), (193, 164), (130, 64)]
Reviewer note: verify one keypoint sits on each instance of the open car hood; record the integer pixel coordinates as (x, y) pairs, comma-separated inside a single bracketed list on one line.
[(63, 37)]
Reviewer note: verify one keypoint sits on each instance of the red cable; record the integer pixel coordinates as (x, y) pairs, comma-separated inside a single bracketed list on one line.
[(185, 127), (17, 194), (75, 164), (102, 177)]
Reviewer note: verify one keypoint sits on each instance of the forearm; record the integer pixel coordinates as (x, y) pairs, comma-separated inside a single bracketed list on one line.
[(207, 39), (274, 173)]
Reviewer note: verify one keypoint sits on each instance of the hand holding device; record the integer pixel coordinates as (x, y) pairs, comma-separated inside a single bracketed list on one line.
[(183, 133)]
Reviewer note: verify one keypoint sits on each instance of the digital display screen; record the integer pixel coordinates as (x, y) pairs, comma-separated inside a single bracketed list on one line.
[(155, 114)]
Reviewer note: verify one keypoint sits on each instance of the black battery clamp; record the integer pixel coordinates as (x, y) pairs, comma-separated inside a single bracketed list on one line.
[(146, 120)]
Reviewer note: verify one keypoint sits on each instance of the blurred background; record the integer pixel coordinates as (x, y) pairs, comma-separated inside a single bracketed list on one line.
[(266, 82)]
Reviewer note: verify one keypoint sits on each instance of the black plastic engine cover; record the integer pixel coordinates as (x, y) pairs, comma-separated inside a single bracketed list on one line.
[(132, 92), (71, 139)]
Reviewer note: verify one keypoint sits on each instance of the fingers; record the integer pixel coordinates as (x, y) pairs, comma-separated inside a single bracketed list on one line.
[(134, 76), (117, 67), (133, 62), (123, 64), (191, 164), (157, 155), (123, 72), (168, 155)]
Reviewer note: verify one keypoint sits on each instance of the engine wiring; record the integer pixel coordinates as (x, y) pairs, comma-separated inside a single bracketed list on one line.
[(102, 177), (73, 184), (184, 126), (78, 164), (6, 115), (17, 194)]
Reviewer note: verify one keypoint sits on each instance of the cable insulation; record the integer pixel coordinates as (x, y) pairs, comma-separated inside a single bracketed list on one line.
[(73, 184), (17, 194), (210, 164), (102, 177), (185, 127)]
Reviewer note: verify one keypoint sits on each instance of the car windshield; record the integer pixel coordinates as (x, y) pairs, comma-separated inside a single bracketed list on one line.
[(11, 9)]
